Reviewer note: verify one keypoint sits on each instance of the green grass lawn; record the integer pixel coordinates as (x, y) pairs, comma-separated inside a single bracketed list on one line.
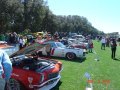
[(105, 73)]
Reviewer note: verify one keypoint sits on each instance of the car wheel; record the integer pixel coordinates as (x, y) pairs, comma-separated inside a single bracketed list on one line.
[(15, 85), (70, 56)]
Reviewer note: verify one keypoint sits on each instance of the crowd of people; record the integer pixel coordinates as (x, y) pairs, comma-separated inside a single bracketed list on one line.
[(23, 41), (105, 42), (109, 42)]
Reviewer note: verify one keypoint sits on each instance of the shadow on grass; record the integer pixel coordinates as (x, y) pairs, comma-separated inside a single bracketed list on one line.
[(117, 59), (75, 60), (57, 86)]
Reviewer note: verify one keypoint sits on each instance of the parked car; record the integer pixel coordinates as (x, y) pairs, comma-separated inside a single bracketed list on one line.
[(77, 44), (31, 72), (72, 34), (3, 42), (79, 37), (60, 50)]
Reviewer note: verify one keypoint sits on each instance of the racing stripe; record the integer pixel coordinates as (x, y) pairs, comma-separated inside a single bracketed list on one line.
[(52, 51)]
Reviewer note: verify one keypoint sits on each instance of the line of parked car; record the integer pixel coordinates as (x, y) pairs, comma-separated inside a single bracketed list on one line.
[(33, 72)]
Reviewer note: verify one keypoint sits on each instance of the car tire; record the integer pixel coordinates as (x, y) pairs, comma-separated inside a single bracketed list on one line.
[(15, 85), (70, 56)]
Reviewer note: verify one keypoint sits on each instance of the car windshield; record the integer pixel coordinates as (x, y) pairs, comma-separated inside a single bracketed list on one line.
[(60, 45), (72, 40)]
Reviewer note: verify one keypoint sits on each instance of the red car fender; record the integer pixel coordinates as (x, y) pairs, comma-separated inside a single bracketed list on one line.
[(26, 79)]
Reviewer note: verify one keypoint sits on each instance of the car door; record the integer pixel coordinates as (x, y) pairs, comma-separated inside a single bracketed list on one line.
[(58, 51), (55, 51)]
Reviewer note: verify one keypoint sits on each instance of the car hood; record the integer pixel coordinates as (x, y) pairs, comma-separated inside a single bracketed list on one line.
[(31, 49)]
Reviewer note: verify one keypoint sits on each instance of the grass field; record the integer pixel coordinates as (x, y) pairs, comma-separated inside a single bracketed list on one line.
[(105, 73)]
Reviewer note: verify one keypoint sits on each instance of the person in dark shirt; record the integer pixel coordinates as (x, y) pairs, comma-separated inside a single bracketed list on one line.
[(113, 48)]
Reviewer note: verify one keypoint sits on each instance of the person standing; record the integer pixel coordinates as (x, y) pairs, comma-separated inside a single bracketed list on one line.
[(103, 42), (5, 69), (21, 42), (107, 42), (90, 45), (113, 48)]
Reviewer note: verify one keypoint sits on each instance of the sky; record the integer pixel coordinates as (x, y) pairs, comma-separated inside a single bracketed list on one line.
[(102, 14)]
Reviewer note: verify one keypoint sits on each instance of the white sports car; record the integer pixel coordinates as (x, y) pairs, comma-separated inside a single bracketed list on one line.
[(60, 50)]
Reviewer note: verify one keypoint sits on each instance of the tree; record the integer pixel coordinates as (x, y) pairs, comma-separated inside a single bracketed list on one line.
[(48, 23), (35, 16), (14, 17), (3, 15)]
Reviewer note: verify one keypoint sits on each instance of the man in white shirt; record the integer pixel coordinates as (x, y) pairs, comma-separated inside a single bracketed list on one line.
[(103, 42)]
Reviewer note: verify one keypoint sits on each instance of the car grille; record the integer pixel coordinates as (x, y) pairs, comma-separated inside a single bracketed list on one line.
[(53, 75)]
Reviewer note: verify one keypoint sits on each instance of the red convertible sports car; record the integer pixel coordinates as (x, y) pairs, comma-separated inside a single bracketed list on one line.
[(31, 72)]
